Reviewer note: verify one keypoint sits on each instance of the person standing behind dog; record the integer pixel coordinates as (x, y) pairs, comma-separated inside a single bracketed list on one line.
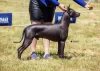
[(42, 12)]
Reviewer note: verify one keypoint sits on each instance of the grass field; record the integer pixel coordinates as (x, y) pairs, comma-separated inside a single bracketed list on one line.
[(83, 54)]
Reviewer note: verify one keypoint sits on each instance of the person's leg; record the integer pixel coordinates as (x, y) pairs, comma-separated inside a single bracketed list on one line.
[(34, 42), (46, 44)]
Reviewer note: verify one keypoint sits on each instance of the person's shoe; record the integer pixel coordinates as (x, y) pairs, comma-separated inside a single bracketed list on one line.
[(34, 56), (46, 56)]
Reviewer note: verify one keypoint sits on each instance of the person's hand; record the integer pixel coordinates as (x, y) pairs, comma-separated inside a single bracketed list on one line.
[(89, 7), (62, 7)]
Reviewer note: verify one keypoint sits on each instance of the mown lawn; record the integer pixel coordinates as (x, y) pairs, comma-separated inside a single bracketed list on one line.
[(82, 54)]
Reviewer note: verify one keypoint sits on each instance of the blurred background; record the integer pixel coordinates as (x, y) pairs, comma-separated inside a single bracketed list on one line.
[(82, 46)]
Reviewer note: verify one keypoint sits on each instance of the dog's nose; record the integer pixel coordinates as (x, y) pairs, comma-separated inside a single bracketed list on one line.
[(78, 14)]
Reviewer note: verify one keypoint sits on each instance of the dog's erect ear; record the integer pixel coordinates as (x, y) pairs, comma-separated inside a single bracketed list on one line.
[(68, 7)]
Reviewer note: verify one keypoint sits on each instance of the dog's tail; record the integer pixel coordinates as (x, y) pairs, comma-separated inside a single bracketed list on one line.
[(21, 38)]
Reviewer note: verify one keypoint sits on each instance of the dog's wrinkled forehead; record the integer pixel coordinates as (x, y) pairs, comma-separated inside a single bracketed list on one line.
[(71, 10)]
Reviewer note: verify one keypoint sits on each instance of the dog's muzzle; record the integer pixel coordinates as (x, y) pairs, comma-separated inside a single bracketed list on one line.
[(77, 14)]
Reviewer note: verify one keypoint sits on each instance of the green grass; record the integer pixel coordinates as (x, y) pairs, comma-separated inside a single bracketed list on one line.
[(83, 53)]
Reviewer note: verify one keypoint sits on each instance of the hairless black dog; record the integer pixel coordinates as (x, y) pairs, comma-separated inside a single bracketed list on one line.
[(54, 32)]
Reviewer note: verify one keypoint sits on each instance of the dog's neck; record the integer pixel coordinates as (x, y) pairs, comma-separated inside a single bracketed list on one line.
[(65, 19)]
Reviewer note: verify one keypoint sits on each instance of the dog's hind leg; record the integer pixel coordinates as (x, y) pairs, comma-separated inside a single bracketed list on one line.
[(25, 44), (61, 45)]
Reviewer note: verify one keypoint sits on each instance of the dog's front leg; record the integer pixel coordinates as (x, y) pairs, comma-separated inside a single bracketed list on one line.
[(61, 45)]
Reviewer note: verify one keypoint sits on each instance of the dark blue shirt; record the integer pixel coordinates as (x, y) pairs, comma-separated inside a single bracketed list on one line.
[(56, 3)]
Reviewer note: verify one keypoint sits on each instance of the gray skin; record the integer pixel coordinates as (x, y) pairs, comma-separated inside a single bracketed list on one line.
[(54, 32)]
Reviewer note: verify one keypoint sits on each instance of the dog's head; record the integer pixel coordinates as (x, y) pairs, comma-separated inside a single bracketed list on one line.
[(72, 13)]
